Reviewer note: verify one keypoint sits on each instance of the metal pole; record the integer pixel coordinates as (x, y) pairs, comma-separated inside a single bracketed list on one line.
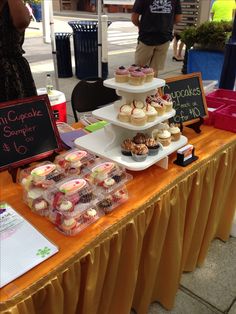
[(53, 44), (104, 21), (99, 8), (45, 22)]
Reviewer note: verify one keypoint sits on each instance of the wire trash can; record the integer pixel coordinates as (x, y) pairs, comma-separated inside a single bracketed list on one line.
[(85, 40), (63, 53)]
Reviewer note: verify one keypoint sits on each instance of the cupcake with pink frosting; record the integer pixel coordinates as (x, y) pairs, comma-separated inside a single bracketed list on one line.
[(121, 75), (133, 67), (137, 77), (149, 72)]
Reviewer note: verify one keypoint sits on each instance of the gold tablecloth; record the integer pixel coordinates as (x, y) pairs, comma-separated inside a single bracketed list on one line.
[(136, 254)]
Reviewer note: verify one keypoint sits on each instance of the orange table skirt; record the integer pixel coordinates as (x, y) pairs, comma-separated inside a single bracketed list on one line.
[(136, 254)]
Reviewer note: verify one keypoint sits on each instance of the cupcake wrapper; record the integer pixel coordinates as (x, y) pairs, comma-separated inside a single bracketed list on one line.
[(153, 151), (126, 152), (139, 157)]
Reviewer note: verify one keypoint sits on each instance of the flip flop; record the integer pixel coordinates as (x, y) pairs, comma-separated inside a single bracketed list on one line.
[(178, 60)]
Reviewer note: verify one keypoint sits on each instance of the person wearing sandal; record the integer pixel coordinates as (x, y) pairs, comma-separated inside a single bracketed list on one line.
[(178, 46)]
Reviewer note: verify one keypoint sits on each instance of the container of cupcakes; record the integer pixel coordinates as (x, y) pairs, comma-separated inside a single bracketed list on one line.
[(35, 181), (71, 223), (106, 176), (72, 203), (74, 160), (113, 199), (109, 179)]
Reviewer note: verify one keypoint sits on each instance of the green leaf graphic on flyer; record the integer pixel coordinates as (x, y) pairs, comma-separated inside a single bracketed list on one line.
[(43, 252)]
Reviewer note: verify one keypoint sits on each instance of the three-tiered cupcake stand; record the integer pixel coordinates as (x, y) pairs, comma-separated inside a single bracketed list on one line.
[(107, 142)]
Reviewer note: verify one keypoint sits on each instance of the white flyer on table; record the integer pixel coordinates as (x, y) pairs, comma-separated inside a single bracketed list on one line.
[(22, 247)]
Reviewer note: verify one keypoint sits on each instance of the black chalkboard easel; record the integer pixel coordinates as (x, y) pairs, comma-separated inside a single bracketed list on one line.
[(188, 100), (28, 132)]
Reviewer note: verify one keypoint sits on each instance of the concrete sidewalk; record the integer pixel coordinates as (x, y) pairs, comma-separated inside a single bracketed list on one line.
[(207, 290)]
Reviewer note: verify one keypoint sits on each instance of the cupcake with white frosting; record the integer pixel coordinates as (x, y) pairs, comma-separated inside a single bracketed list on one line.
[(158, 104), (150, 112), (168, 102), (65, 206), (69, 226), (138, 117), (175, 132), (124, 113), (164, 137)]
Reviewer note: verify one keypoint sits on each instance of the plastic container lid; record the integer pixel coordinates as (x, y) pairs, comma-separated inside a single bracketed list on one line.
[(72, 225), (41, 175), (106, 175), (74, 159), (71, 195)]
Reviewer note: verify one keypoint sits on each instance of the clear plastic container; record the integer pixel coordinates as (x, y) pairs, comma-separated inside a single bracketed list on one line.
[(74, 222), (35, 200), (42, 175), (74, 160), (35, 180), (72, 194), (106, 175), (110, 201), (72, 205)]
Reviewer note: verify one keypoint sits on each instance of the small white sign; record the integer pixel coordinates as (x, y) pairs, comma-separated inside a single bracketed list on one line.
[(19, 238)]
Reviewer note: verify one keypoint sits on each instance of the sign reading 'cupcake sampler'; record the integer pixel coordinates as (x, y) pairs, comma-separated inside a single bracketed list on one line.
[(188, 97), (27, 131)]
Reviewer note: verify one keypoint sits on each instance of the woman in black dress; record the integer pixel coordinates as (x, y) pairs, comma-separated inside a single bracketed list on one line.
[(16, 80)]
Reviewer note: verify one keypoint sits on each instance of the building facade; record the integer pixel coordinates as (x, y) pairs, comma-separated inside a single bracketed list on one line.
[(196, 9)]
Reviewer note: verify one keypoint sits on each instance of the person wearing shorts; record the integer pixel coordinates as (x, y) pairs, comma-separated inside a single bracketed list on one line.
[(155, 20)]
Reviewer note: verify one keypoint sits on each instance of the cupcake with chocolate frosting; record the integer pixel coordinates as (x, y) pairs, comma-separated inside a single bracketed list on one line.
[(139, 152), (127, 146), (139, 138), (152, 145)]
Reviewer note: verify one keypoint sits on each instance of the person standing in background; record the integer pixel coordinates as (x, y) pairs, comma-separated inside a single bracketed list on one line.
[(155, 20), (223, 10), (16, 79), (178, 46)]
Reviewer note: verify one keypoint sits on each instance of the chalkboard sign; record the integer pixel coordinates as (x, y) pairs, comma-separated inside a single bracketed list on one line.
[(27, 131), (188, 97)]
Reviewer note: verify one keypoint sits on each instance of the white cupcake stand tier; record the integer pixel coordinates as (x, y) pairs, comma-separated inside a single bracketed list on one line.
[(106, 142)]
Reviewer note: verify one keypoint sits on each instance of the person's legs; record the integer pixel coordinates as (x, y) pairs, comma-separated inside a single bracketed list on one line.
[(177, 48), (159, 57), (175, 43), (179, 53), (143, 54)]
